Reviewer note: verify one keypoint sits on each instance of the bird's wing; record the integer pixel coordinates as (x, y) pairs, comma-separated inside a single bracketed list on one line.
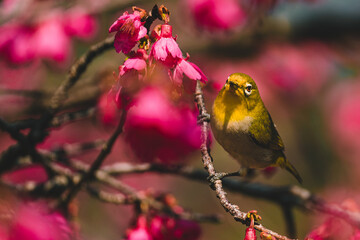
[(263, 132)]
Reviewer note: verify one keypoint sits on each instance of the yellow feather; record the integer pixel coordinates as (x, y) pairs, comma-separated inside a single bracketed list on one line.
[(243, 126)]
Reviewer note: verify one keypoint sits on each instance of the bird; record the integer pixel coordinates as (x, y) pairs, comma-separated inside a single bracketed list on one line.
[(242, 125)]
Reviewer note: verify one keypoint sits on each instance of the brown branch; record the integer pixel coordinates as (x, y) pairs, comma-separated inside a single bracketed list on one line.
[(72, 116), (8, 158), (289, 221), (119, 199), (76, 71), (97, 163), (233, 209), (69, 150), (289, 196)]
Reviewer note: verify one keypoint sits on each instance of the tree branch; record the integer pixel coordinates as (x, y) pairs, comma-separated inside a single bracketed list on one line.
[(97, 163)]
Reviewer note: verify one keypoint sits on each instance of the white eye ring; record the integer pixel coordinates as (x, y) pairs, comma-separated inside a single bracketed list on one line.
[(248, 89)]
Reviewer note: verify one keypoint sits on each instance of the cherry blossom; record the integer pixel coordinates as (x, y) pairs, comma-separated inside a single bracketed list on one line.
[(129, 30), (165, 49)]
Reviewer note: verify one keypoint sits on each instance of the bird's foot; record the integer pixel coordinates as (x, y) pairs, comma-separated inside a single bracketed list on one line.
[(205, 117), (253, 216)]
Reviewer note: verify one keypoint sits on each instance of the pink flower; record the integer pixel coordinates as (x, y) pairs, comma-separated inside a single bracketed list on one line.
[(164, 228), (157, 129), (250, 234), (190, 70), (136, 62), (165, 49), (129, 30), (140, 232), (34, 221), (50, 40), (108, 112), (130, 73), (215, 15), (49, 37), (77, 22), (16, 43)]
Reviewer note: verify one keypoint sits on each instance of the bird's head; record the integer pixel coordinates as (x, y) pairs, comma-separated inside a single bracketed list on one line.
[(243, 87)]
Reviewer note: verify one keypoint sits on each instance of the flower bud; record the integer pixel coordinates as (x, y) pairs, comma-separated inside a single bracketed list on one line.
[(250, 234)]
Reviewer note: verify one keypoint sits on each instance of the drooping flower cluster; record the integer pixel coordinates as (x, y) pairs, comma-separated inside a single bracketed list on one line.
[(129, 30), (159, 124)]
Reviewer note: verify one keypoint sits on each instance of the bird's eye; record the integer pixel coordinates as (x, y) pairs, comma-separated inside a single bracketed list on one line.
[(248, 89)]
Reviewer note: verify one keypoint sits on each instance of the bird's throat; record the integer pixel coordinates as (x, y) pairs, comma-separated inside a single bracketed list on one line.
[(229, 108)]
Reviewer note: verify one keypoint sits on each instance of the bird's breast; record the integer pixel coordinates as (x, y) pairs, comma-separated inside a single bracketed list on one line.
[(235, 139)]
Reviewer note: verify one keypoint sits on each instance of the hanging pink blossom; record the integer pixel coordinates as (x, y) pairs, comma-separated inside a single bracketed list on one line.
[(108, 112), (190, 70), (35, 221), (130, 73), (156, 129), (136, 62), (16, 43), (140, 232), (165, 49), (250, 234), (164, 227), (129, 30), (50, 40)]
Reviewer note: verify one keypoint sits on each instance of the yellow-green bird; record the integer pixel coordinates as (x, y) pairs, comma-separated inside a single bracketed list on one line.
[(242, 125)]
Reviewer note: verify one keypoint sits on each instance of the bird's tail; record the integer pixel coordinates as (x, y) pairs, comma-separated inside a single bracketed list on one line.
[(285, 164)]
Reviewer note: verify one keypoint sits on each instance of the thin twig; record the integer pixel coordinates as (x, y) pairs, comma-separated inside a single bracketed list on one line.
[(8, 158), (98, 161), (72, 116), (77, 70), (120, 199)]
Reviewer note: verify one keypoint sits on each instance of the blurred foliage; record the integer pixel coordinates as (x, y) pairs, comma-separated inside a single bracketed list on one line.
[(305, 57)]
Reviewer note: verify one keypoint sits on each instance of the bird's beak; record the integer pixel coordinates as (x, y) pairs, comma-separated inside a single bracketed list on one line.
[(227, 86)]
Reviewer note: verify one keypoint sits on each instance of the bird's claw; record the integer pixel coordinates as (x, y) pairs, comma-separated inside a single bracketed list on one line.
[(204, 117)]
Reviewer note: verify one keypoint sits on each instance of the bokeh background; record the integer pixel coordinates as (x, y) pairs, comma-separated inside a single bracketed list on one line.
[(304, 56)]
